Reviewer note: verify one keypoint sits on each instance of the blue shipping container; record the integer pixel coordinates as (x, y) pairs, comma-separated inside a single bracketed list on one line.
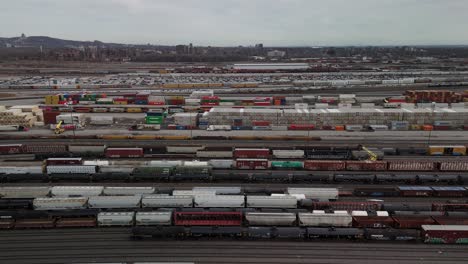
[(180, 127)]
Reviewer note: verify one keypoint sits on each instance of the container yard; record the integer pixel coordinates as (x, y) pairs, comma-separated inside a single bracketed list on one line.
[(290, 154)]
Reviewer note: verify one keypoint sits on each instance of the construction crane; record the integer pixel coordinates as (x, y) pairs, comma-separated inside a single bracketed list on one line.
[(58, 128), (372, 155)]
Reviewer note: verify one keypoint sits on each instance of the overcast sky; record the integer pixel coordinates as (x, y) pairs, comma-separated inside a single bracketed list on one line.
[(241, 22)]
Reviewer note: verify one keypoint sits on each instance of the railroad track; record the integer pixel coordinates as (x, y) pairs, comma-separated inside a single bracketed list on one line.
[(114, 245)]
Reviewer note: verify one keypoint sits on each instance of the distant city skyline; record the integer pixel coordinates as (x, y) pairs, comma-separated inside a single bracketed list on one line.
[(242, 22)]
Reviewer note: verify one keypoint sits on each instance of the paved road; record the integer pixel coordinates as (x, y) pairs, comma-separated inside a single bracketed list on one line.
[(114, 245)]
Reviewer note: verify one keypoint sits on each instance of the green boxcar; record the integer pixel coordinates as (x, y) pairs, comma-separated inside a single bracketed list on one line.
[(192, 172), (287, 164)]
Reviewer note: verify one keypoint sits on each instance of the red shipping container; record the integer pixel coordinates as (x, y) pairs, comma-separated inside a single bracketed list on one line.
[(11, 149), (251, 153), (64, 161), (301, 127), (349, 206), (124, 152), (366, 165), (262, 103), (50, 117), (83, 109), (373, 221), (260, 123), (324, 165), (210, 103), (252, 164), (208, 218), (413, 221), (156, 103), (210, 98)]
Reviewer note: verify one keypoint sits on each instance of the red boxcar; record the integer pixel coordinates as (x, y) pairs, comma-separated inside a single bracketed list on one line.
[(76, 222), (208, 218), (455, 234), (11, 149), (366, 165), (451, 220), (349, 206), (35, 223), (413, 221), (64, 161), (252, 164), (260, 123), (124, 153), (450, 207), (262, 103), (301, 127), (324, 165), (44, 148), (373, 221), (83, 109), (251, 153)]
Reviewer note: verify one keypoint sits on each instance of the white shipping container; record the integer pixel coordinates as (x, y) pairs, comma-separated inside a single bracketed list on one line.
[(289, 154), (167, 201), (221, 164), (271, 219), (85, 191), (76, 169), (115, 219), (354, 127), (321, 194), (226, 201), (109, 202), (279, 128), (24, 192), (60, 203), (114, 191), (153, 218), (271, 201), (325, 219)]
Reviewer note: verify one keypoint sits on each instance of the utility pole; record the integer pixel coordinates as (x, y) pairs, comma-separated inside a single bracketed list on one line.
[(433, 105)]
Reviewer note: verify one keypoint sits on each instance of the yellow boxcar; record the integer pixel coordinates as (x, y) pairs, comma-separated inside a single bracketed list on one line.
[(134, 110), (170, 85), (215, 85), (186, 85)]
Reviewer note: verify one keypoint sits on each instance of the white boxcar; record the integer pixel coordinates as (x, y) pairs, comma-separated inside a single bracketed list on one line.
[(183, 149), (322, 194), (218, 190), (21, 170), (105, 202), (167, 201), (60, 203), (214, 154), (115, 219), (115, 191), (325, 219), (271, 219), (153, 218), (24, 192), (85, 191), (76, 169), (87, 148), (229, 201), (221, 164), (288, 154), (271, 201)]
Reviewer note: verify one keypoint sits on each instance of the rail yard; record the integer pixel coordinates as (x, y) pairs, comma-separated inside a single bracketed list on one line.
[(234, 166)]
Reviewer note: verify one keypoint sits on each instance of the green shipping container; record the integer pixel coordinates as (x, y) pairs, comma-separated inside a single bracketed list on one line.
[(287, 164)]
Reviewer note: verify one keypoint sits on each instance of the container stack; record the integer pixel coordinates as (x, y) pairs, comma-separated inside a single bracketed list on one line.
[(155, 117), (210, 100), (186, 119), (156, 100), (428, 96), (71, 119)]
